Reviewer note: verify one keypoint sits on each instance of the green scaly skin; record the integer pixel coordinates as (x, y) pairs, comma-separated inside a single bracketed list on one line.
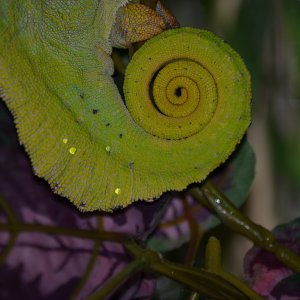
[(55, 77)]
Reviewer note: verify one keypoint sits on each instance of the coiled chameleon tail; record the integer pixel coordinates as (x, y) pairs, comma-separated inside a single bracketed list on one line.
[(190, 91), (187, 97)]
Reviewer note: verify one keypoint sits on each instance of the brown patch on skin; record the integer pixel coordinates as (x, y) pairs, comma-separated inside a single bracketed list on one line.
[(141, 23), (136, 23)]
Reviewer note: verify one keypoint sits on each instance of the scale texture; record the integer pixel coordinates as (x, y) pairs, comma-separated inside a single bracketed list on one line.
[(187, 102)]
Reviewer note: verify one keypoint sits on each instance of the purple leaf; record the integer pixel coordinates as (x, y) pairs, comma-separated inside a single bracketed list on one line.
[(269, 277), (174, 228), (43, 266)]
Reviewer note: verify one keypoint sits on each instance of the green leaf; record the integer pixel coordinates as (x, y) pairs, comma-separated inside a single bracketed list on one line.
[(248, 38), (285, 137), (292, 12), (241, 171)]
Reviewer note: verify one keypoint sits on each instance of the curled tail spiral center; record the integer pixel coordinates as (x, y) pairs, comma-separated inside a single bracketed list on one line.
[(176, 86)]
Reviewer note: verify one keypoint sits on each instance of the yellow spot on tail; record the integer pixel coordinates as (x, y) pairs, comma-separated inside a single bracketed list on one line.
[(118, 191), (72, 150)]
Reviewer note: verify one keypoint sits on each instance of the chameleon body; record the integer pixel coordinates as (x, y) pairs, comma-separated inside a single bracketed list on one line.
[(187, 102)]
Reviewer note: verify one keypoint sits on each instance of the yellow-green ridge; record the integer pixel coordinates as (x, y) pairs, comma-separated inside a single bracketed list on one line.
[(56, 78)]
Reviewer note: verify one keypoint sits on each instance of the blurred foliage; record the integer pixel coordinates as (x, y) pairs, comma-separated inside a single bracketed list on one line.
[(267, 35), (248, 38), (285, 135)]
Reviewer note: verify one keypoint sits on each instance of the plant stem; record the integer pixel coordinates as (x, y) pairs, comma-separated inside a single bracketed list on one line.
[(209, 196), (198, 280), (90, 265), (8, 212), (108, 288), (85, 234), (213, 264), (13, 223), (196, 235)]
